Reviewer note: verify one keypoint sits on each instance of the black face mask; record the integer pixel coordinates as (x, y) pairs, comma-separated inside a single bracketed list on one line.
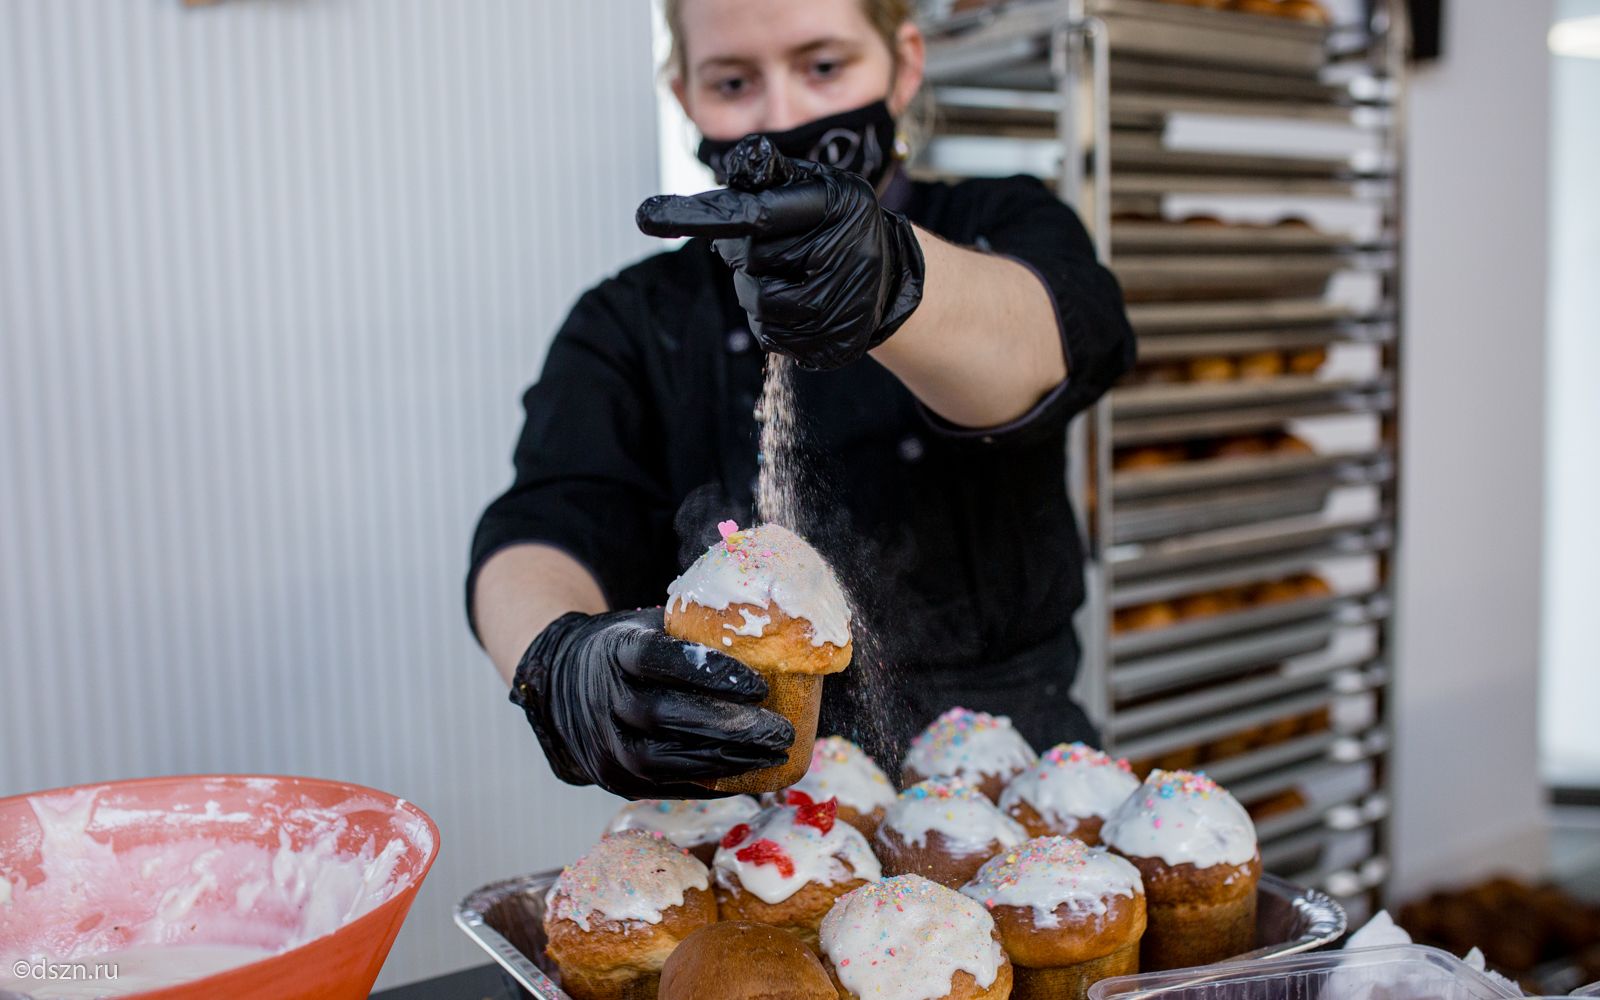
[(860, 141)]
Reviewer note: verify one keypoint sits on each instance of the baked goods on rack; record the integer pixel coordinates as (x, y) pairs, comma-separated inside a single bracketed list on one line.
[(1139, 617), (1068, 915), (615, 914), (765, 597), (787, 865), (977, 746), (741, 960), (842, 771), (1309, 11), (1069, 791), (694, 825), (907, 938), (1195, 848), (943, 828)]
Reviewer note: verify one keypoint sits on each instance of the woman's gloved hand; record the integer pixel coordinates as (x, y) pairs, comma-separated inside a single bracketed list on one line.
[(618, 703), (825, 272)]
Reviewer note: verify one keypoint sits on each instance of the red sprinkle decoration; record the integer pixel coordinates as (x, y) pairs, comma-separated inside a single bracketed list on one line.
[(814, 814), (767, 852), (734, 836)]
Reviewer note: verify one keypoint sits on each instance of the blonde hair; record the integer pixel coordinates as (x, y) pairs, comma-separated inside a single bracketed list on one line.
[(886, 16)]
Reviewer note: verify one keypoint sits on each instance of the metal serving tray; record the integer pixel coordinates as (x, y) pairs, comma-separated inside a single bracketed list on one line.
[(506, 919), (1131, 236)]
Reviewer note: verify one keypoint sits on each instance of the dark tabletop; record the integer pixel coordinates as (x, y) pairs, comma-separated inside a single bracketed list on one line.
[(483, 982)]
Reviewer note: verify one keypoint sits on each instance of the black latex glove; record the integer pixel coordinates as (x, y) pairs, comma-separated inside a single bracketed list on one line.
[(618, 703), (825, 272)]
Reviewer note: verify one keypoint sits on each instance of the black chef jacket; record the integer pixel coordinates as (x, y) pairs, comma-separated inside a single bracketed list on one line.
[(958, 546)]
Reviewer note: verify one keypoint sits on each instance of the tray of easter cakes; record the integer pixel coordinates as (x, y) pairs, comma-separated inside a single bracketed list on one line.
[(982, 869)]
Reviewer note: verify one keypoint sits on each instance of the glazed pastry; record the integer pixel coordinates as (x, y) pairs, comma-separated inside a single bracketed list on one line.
[(766, 598), (906, 938), (1195, 848), (1275, 592), (1309, 11), (1241, 447), (788, 865), (1070, 791), (1204, 605), (1268, 7), (1153, 457), (1288, 444), (943, 829), (977, 746), (696, 826), (1307, 362), (1139, 617), (1262, 364), (1068, 915), (740, 960), (1311, 585), (842, 771), (1212, 369), (614, 915)]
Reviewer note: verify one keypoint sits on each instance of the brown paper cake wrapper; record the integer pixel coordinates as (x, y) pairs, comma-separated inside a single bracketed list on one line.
[(1187, 934), (1072, 982), (798, 698)]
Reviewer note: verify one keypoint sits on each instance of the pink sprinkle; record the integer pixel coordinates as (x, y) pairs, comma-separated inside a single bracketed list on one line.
[(1157, 822), (727, 527)]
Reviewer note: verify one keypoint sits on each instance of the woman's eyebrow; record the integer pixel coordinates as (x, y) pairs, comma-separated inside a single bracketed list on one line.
[(823, 43)]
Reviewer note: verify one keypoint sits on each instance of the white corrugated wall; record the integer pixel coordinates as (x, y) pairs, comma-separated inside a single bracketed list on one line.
[(272, 276)]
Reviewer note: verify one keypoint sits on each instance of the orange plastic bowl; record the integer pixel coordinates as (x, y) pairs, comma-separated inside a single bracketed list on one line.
[(184, 858)]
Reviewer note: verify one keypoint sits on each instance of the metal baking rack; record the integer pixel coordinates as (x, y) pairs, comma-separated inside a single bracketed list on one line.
[(1284, 701)]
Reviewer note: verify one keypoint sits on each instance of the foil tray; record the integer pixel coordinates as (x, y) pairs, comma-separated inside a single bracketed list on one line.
[(506, 919)]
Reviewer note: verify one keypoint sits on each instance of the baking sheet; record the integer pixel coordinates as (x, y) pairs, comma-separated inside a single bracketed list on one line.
[(506, 919)]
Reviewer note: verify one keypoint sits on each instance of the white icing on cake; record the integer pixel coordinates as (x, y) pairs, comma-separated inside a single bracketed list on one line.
[(686, 823), (841, 770), (766, 566), (970, 745), (969, 822), (1046, 872), (1070, 782), (1182, 818), (632, 875), (827, 857), (905, 937)]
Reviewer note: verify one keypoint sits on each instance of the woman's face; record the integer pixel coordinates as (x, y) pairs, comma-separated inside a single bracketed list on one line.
[(770, 65)]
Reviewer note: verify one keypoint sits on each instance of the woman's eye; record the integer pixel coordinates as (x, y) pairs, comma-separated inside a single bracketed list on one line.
[(826, 68), (731, 86)]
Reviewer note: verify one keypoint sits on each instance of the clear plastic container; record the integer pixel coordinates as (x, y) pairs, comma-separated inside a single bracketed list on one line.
[(1402, 972)]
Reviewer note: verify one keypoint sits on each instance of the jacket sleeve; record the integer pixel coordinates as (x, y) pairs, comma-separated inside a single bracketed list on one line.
[(588, 476), (1025, 222)]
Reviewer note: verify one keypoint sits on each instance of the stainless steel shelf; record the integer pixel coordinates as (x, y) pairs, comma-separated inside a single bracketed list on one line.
[(1184, 317), (1128, 187), (1198, 423), (1344, 610), (1341, 467), (1200, 732), (1163, 398), (1218, 699), (1232, 556), (1175, 346), (1128, 236), (1179, 668), (1301, 749)]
